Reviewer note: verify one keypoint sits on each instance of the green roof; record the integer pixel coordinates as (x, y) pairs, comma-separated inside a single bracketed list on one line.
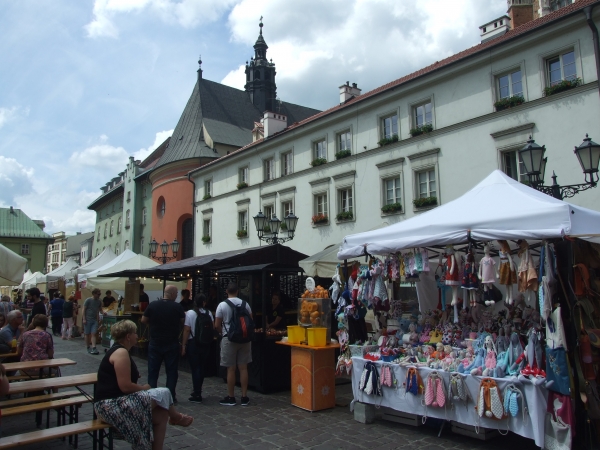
[(15, 223)]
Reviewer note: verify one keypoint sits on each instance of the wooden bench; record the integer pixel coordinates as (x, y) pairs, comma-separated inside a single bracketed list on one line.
[(29, 377), (37, 398), (90, 426), (21, 387)]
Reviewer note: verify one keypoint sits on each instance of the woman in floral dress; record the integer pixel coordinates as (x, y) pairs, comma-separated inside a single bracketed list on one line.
[(36, 344), (139, 413)]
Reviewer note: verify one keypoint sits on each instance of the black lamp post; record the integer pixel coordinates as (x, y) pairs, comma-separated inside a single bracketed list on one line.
[(164, 248), (532, 157), (268, 229)]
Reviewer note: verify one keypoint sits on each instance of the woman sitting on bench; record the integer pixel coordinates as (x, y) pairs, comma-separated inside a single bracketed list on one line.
[(139, 413), (36, 344)]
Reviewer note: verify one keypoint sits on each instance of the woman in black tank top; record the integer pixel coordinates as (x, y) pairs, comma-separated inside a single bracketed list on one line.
[(137, 412)]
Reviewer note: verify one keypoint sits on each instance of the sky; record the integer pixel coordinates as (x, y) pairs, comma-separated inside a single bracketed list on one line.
[(85, 84)]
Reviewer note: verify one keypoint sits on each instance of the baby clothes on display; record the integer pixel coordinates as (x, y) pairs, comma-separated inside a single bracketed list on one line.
[(470, 280), (508, 276), (452, 279), (488, 274), (528, 279)]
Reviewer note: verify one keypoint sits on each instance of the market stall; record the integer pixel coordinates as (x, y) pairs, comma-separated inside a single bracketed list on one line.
[(501, 313)]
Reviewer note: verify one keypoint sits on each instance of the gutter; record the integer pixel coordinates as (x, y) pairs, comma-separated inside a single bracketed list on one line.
[(193, 214), (588, 16)]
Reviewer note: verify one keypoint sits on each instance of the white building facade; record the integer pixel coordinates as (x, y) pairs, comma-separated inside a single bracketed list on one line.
[(387, 179)]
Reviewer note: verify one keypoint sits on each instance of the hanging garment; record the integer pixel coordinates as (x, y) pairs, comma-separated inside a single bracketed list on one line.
[(435, 391), (508, 274), (413, 382), (369, 380)]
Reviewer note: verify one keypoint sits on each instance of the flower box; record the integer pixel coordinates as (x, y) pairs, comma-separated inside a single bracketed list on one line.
[(564, 85), (344, 215), (390, 140), (318, 162), (421, 130), (206, 197), (343, 154), (424, 202), (320, 218), (242, 185), (206, 239), (509, 102), (391, 208), (242, 233)]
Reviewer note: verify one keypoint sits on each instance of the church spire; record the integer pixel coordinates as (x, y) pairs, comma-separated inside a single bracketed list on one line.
[(260, 47), (200, 68), (260, 76)]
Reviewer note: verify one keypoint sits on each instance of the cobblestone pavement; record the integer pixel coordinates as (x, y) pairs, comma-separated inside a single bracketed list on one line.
[(268, 422)]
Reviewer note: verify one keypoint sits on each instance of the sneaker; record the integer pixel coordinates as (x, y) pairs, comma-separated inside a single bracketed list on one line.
[(94, 351), (228, 401), (245, 401), (195, 399), (89, 349)]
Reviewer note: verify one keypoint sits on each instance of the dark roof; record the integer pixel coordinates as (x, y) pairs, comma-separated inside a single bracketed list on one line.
[(15, 223), (152, 159), (74, 242), (438, 65), (107, 196), (228, 116)]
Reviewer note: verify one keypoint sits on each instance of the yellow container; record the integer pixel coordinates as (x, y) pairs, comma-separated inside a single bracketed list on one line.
[(317, 336), (296, 334)]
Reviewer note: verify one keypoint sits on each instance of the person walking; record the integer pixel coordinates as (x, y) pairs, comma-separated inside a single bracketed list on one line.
[(91, 318), (165, 318), (56, 313), (38, 306), (196, 343), (186, 302), (67, 313), (233, 353)]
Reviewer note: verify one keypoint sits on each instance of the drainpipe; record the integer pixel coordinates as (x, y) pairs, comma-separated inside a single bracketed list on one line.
[(193, 215), (588, 16)]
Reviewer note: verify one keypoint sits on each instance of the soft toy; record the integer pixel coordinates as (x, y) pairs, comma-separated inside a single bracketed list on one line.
[(487, 275), (490, 357), (507, 272)]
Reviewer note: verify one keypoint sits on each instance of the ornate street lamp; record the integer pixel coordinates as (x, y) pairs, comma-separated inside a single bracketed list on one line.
[(534, 162), (268, 229), (164, 248)]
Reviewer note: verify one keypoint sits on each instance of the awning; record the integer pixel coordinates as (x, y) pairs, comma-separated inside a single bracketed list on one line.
[(12, 267)]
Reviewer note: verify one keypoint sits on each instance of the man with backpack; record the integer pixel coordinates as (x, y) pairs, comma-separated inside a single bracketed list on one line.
[(198, 334), (234, 322)]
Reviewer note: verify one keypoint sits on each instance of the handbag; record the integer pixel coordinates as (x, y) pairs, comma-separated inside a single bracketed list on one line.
[(557, 370), (557, 434)]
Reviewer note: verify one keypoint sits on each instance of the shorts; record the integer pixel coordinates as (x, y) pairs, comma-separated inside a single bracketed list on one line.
[(233, 354), (90, 327)]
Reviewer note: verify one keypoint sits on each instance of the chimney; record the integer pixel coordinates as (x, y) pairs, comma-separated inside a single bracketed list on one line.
[(273, 123), (520, 12), (347, 92), (494, 29)]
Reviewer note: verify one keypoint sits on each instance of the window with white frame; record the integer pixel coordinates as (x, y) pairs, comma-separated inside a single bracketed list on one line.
[(128, 196), (557, 4), (63, 256), (345, 204), (144, 216), (286, 164), (389, 126), (105, 230), (128, 218), (344, 141), (510, 85), (561, 67), (286, 209), (320, 206), (320, 149), (141, 246), (119, 225), (422, 114), (392, 190), (243, 221), (268, 169), (126, 246), (426, 183), (24, 249), (243, 175), (512, 166), (98, 235), (268, 211), (117, 248), (208, 188), (112, 227), (206, 231)]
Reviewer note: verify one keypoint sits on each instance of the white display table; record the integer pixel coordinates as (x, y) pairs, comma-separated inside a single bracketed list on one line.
[(396, 398)]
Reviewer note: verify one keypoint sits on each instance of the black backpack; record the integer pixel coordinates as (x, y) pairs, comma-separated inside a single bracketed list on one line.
[(204, 330), (240, 328)]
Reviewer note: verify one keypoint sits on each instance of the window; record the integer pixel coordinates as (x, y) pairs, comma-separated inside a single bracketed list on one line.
[(269, 169), (144, 191), (112, 227), (423, 114), (128, 196), (345, 200), (426, 185), (97, 251), (268, 212), (286, 209), (63, 257), (243, 175), (24, 249), (144, 215), (392, 191), (127, 219), (286, 164), (208, 188), (321, 204), (510, 85), (117, 248), (55, 258), (389, 126), (113, 207), (344, 141), (561, 67), (98, 235), (119, 225), (242, 220), (557, 4), (162, 207), (512, 166), (320, 149), (126, 246), (206, 228), (105, 230), (141, 246)]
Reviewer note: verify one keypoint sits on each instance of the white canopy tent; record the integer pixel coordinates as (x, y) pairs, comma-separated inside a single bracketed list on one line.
[(107, 268), (102, 259), (12, 267), (497, 208), (64, 271), (322, 264), (32, 280), (136, 262)]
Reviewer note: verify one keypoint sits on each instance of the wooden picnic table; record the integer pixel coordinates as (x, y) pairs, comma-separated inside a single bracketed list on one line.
[(40, 364), (41, 384), (8, 355)]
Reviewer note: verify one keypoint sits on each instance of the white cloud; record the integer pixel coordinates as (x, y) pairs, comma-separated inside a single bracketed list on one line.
[(8, 114), (15, 180), (160, 137), (236, 78), (102, 157)]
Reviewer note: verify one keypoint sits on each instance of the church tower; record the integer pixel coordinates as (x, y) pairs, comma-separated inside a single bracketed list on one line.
[(260, 77)]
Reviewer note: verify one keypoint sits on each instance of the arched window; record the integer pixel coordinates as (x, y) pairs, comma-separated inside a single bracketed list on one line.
[(105, 230), (141, 246), (112, 227), (257, 74), (187, 239), (120, 224), (144, 214), (127, 218), (161, 207), (126, 246), (117, 248)]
